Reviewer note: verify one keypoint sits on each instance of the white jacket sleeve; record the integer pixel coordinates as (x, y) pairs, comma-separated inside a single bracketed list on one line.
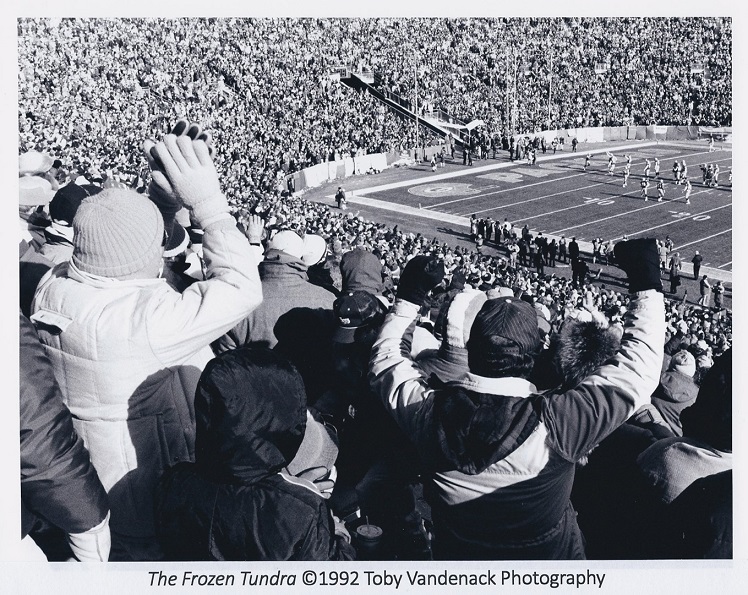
[(92, 545), (207, 309), (394, 377)]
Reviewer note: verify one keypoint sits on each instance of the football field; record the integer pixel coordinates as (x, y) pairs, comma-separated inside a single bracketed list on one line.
[(558, 197)]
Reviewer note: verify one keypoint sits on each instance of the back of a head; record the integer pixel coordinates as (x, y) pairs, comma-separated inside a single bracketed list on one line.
[(580, 347), (504, 339), (68, 199), (455, 320), (361, 271), (118, 234), (250, 408), (710, 418)]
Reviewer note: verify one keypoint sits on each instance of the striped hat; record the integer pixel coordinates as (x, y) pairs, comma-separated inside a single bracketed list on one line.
[(118, 234), (504, 326)]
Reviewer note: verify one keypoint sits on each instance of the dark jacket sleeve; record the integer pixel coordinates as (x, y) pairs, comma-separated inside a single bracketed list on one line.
[(58, 481)]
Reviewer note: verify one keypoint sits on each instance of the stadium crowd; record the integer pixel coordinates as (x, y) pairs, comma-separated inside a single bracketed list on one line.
[(250, 375), (267, 87)]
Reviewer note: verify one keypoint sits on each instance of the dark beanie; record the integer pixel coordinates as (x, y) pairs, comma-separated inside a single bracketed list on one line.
[(504, 326), (361, 271), (68, 199), (118, 233)]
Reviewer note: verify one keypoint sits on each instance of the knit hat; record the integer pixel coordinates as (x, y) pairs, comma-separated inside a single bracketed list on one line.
[(118, 234), (461, 315), (353, 310), (683, 362), (361, 271), (33, 163), (504, 326), (67, 199), (34, 191), (310, 249), (318, 448), (289, 242), (315, 248)]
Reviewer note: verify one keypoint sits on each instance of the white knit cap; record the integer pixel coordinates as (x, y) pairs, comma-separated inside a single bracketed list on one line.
[(289, 242), (683, 362), (118, 233)]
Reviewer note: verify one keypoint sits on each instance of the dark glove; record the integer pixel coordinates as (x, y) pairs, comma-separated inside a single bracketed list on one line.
[(641, 263), (420, 276)]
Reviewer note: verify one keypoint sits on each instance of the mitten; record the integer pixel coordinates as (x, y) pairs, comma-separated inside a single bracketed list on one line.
[(640, 261), (420, 276)]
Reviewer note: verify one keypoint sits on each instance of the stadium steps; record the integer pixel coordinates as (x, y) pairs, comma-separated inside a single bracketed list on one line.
[(357, 81)]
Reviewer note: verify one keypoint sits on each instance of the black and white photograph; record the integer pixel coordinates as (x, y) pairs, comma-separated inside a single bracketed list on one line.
[(444, 302)]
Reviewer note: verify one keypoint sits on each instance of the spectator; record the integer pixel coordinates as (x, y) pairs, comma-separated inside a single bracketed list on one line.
[(126, 348), (676, 390), (58, 245), (696, 261), (501, 350), (285, 288), (238, 500), (705, 448), (718, 290), (674, 266), (704, 291)]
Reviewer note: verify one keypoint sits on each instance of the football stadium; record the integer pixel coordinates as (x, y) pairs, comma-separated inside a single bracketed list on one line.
[(375, 289)]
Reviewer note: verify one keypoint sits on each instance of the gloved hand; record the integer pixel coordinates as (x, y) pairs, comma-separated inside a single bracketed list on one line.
[(92, 545), (420, 276), (640, 261), (183, 173)]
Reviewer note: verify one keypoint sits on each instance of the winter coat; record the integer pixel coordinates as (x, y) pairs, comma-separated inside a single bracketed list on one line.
[(675, 392), (285, 287), (235, 502), (501, 456), (128, 355), (58, 481)]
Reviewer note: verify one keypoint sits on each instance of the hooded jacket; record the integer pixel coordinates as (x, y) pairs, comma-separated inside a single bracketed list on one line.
[(675, 392), (234, 503), (501, 456)]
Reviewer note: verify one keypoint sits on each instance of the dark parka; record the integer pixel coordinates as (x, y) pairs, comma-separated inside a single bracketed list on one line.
[(58, 482), (233, 503)]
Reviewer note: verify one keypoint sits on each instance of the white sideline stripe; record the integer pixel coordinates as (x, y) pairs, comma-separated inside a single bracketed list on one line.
[(416, 212)]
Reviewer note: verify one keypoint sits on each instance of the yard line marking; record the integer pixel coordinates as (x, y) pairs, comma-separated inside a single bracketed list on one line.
[(523, 186), (550, 196), (533, 199), (703, 239), (655, 205), (675, 221), (481, 169), (725, 265)]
